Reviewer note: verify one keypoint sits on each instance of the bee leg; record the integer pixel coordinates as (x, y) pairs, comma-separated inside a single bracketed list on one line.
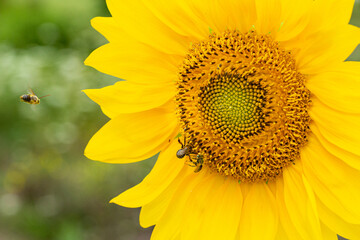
[(198, 168), (199, 159), (192, 165), (192, 161), (182, 145), (184, 139)]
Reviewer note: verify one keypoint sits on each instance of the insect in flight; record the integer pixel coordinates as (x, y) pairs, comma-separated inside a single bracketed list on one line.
[(186, 150), (31, 97)]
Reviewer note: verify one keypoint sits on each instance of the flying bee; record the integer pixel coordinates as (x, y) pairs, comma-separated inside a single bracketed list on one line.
[(186, 150), (31, 97)]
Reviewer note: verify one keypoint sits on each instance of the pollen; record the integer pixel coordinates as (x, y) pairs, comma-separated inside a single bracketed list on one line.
[(243, 105)]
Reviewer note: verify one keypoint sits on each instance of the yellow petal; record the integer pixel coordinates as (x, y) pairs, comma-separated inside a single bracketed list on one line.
[(128, 97), (196, 205), (135, 62), (285, 222), (228, 199), (319, 51), (170, 223), (133, 137), (236, 19), (268, 16), (109, 28), (300, 203), (135, 19), (343, 155), (338, 88), (336, 224), (180, 16), (259, 212), (152, 212), (196, 17), (224, 15), (166, 169), (281, 234), (332, 13), (335, 183), (319, 46), (327, 233), (295, 17), (213, 210), (341, 129)]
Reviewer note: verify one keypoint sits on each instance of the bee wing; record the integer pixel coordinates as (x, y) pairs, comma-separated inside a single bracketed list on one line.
[(31, 91), (44, 96)]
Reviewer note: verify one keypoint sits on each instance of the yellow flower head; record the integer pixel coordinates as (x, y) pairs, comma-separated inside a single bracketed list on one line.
[(251, 106)]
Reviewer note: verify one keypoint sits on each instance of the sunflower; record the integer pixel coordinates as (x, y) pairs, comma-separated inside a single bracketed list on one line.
[(251, 106)]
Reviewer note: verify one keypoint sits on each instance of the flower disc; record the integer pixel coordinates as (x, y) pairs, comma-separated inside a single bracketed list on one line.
[(243, 105)]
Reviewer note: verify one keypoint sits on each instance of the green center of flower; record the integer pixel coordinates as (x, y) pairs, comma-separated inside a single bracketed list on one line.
[(232, 106), (243, 106)]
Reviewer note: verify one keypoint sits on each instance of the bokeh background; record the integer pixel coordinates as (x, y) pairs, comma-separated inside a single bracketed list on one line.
[(48, 189)]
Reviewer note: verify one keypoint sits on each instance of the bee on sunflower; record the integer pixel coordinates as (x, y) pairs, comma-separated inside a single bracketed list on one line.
[(259, 90)]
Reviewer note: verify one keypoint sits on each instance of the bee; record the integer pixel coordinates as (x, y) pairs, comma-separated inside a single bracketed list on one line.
[(198, 163), (31, 97), (186, 150)]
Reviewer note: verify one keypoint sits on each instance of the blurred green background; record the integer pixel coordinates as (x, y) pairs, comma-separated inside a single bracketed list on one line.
[(48, 189)]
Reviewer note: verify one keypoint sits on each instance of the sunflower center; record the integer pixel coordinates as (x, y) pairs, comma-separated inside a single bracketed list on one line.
[(232, 106), (243, 106)]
